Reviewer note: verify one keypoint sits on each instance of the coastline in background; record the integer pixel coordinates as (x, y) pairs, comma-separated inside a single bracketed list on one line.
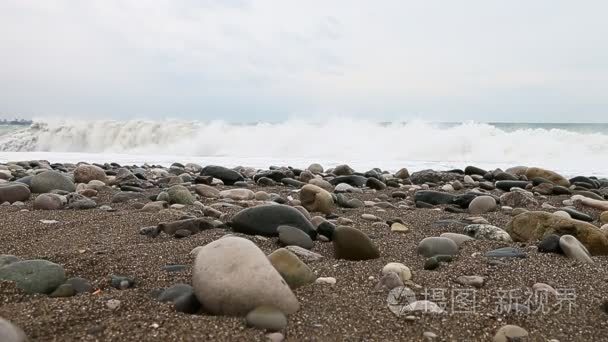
[(572, 149)]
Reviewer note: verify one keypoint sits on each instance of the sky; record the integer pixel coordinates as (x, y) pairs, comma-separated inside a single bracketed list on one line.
[(245, 61)]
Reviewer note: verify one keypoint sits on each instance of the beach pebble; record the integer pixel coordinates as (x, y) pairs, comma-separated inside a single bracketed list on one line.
[(315, 168), (267, 318), (277, 337), (326, 230), (604, 217), (238, 194), (96, 185), (343, 170), (113, 304), (51, 180), (574, 249), (432, 246), (434, 262), (291, 268), (78, 201), (85, 173), (544, 287), (487, 232), (6, 259), (562, 214), (206, 191), (121, 282), (182, 296), (262, 196), (15, 192), (374, 183), (474, 281), (552, 176), (482, 205), (265, 220), (380, 225), (345, 187), (577, 215), (316, 199), (509, 185), (518, 199), (326, 280), (424, 306), (399, 227), (64, 290), (448, 188), (429, 335), (370, 217), (80, 285), (252, 281), (403, 173), (388, 281), (227, 176), (322, 183), (506, 252), (343, 221), (34, 276), (550, 244), (398, 268), (154, 207), (535, 225), (509, 333), (293, 236), (517, 211), (179, 194), (352, 244)]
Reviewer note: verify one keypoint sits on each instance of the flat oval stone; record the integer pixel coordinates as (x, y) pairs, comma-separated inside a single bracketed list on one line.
[(432, 246), (265, 220), (482, 205), (506, 252), (577, 215), (293, 236), (510, 333), (14, 192)]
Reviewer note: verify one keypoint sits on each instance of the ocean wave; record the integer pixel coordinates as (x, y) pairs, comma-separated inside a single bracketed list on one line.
[(338, 139)]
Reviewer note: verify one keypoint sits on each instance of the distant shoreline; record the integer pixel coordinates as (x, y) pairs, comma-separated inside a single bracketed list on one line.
[(16, 122)]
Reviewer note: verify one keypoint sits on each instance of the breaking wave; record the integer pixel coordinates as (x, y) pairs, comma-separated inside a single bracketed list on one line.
[(337, 139)]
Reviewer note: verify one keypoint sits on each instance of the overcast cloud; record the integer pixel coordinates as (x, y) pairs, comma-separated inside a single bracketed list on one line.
[(239, 60)]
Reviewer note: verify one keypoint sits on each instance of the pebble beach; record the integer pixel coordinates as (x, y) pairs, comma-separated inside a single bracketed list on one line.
[(109, 252)]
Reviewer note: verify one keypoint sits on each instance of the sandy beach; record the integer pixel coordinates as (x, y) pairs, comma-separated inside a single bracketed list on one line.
[(95, 244)]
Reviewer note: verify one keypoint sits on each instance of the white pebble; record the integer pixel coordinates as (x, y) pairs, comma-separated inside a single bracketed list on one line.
[(326, 280), (113, 304)]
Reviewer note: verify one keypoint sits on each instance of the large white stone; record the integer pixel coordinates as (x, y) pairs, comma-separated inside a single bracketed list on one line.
[(232, 276)]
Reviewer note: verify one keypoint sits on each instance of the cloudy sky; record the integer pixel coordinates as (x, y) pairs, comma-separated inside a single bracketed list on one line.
[(240, 60)]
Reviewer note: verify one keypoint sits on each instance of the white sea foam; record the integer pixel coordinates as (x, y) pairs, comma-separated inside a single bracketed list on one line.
[(361, 143)]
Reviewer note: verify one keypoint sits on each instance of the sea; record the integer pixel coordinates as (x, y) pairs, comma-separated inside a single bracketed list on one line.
[(568, 148)]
